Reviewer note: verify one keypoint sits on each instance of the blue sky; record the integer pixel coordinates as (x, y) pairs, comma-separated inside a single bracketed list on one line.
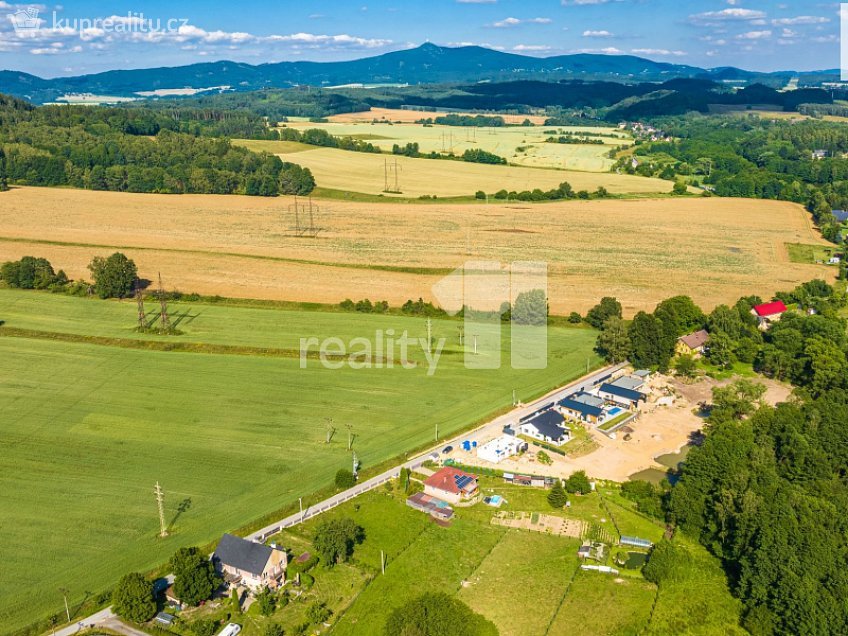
[(69, 40)]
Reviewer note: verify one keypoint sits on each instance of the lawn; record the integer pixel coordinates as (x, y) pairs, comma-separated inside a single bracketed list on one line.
[(87, 430), (602, 605), (538, 565), (810, 254)]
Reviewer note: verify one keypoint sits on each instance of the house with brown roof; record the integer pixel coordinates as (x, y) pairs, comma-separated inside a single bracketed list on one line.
[(693, 344), (451, 484)]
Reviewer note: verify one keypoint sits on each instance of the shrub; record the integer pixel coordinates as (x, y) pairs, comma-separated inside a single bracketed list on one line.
[(479, 194), (114, 277), (318, 612), (578, 483), (574, 318), (345, 479)]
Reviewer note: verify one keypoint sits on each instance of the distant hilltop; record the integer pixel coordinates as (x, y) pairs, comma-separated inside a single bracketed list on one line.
[(426, 64)]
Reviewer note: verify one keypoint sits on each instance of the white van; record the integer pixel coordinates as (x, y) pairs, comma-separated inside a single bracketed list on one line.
[(230, 630)]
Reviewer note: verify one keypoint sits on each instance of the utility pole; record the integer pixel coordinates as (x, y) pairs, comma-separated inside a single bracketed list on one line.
[(330, 430), (461, 336), (65, 596), (437, 432), (349, 435), (300, 501), (383, 561), (514, 400), (160, 502), (475, 344), (429, 335)]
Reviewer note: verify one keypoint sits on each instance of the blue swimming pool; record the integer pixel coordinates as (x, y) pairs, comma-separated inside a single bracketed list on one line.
[(615, 411)]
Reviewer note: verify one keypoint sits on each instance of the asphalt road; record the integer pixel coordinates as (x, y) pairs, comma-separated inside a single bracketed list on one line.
[(490, 429)]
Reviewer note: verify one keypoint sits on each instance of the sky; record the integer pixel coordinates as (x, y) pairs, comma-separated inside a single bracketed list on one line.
[(89, 36)]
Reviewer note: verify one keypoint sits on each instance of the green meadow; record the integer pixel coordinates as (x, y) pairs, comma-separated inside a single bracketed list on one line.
[(89, 423)]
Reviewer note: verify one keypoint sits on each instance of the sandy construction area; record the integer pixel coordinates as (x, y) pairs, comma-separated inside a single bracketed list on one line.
[(660, 430), (640, 251)]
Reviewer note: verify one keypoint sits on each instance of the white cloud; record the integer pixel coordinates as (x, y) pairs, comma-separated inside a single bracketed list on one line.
[(610, 50), (512, 22), (727, 15), (754, 35), (597, 34), (801, 19), (531, 47), (660, 52)]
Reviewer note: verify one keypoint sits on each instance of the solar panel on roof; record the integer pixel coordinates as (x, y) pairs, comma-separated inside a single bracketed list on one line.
[(462, 481)]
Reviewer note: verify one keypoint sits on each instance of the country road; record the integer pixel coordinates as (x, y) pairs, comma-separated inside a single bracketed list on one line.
[(107, 618), (492, 428)]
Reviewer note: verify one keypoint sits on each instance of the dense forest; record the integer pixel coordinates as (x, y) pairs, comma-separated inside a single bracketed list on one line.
[(802, 161), (767, 490), (140, 150)]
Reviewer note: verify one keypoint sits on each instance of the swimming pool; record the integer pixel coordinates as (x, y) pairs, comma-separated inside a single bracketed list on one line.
[(614, 411)]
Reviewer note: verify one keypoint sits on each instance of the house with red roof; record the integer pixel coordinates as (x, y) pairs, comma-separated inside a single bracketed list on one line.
[(769, 313), (451, 484)]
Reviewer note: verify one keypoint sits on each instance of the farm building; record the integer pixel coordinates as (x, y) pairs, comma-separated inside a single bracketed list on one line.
[(172, 599), (546, 427), (621, 394), (500, 449), (769, 313), (431, 505), (251, 564), (693, 344), (451, 484), (529, 480)]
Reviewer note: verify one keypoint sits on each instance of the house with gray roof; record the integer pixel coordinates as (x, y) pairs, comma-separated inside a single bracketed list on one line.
[(548, 426), (254, 565)]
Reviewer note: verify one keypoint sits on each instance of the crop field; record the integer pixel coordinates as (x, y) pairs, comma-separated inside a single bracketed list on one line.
[(89, 426), (362, 172), (640, 251), (411, 116), (521, 145)]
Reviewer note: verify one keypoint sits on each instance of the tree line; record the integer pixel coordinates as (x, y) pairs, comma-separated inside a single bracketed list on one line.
[(112, 149), (766, 491)]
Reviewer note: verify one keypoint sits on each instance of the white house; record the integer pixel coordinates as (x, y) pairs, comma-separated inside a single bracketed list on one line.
[(500, 449)]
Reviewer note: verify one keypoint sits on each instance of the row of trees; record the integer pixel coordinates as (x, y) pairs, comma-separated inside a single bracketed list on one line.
[(111, 150), (114, 276), (766, 490)]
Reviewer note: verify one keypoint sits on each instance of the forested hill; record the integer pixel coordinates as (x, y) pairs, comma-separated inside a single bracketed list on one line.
[(426, 64), (139, 150)]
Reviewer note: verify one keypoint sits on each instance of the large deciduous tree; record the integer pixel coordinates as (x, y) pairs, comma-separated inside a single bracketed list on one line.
[(195, 578), (335, 540), (114, 277), (437, 614), (133, 598)]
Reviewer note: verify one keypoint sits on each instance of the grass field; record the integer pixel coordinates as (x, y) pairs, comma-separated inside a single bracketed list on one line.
[(520, 145), (640, 251), (87, 430), (363, 172), (527, 583), (810, 254)]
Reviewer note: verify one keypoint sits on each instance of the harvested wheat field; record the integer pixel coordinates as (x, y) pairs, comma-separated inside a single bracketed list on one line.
[(366, 173), (411, 116), (640, 251)]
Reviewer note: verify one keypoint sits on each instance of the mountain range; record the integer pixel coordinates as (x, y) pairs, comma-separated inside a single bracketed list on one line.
[(426, 64)]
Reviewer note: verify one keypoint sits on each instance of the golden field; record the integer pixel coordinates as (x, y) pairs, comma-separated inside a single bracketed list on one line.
[(365, 173), (640, 251), (411, 116)]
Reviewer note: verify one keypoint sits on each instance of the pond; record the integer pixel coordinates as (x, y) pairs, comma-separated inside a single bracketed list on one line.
[(671, 461)]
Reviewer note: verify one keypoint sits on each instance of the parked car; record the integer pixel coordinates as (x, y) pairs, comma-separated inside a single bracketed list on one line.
[(230, 630), (434, 457), (447, 450)]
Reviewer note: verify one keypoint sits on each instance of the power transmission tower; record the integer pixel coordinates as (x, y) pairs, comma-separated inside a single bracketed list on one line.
[(429, 335), (355, 465), (165, 324), (142, 316), (160, 502)]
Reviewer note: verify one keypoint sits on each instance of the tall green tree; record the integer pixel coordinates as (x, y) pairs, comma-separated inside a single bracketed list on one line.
[(336, 539), (114, 277), (4, 183), (557, 497), (531, 308), (133, 598), (608, 308), (649, 344), (195, 577), (613, 342), (437, 614)]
